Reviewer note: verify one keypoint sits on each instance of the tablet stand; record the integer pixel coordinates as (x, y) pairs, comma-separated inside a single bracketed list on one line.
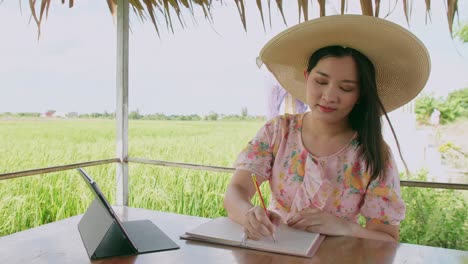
[(103, 237)]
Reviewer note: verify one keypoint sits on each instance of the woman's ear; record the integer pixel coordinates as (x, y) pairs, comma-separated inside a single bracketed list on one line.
[(306, 74)]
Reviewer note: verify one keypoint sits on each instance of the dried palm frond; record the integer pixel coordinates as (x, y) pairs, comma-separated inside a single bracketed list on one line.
[(269, 12), (366, 7), (322, 7), (377, 8), (303, 5), (428, 10), (391, 8), (259, 6), (241, 9), (407, 9), (162, 9), (452, 8), (279, 5)]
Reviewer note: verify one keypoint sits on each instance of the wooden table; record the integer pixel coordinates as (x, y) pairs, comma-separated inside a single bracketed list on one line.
[(60, 242)]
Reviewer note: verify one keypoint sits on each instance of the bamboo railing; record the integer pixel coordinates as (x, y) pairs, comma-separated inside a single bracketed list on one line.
[(18, 174), (11, 175)]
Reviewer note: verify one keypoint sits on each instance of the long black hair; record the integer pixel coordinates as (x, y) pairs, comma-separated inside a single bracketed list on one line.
[(365, 116)]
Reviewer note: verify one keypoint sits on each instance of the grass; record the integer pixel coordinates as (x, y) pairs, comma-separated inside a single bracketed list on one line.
[(434, 217), (31, 201)]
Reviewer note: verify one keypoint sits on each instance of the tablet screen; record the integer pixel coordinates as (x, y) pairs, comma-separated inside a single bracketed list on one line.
[(103, 201)]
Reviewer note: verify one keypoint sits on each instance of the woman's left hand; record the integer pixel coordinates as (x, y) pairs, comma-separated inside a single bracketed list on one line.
[(316, 221)]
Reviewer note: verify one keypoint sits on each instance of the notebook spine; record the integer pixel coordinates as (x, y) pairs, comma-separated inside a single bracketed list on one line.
[(243, 241)]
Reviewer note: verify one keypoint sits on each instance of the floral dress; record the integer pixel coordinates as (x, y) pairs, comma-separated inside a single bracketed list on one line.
[(335, 184)]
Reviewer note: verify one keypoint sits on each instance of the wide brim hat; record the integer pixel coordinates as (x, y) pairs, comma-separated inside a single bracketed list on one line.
[(401, 61)]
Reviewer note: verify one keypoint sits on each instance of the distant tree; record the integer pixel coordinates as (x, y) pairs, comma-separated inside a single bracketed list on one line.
[(95, 115), (108, 115), (157, 116), (213, 116), (244, 112), (26, 114), (195, 117), (135, 115)]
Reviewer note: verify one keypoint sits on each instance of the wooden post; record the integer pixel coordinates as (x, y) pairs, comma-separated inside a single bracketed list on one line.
[(290, 104), (121, 113)]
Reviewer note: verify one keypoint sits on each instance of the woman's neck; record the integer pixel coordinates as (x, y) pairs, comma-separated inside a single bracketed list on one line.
[(325, 129)]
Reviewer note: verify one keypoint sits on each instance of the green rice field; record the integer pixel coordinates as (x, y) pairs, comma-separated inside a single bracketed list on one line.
[(35, 200)]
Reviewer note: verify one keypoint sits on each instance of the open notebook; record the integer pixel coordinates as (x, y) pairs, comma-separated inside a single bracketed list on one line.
[(289, 241)]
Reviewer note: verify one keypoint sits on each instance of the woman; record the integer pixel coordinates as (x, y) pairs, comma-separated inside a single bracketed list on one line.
[(330, 165)]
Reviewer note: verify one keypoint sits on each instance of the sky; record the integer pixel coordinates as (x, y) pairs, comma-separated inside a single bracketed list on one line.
[(204, 67)]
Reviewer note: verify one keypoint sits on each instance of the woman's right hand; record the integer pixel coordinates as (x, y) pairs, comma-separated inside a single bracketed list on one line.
[(257, 224)]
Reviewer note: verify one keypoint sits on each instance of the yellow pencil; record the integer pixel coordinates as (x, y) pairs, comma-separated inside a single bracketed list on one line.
[(257, 187)]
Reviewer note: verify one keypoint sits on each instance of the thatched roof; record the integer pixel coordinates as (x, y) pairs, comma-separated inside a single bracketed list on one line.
[(161, 10)]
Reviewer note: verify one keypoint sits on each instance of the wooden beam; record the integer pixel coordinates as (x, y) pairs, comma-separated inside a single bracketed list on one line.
[(181, 165), (439, 185), (121, 113), (18, 174), (290, 106), (11, 175)]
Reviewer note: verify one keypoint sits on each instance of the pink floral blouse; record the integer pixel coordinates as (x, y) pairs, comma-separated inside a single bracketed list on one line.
[(335, 184)]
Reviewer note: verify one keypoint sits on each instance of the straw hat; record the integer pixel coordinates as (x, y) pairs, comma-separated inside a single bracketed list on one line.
[(401, 61)]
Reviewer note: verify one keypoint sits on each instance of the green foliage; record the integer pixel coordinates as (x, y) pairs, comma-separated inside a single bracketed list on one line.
[(446, 147), (459, 99), (434, 217), (462, 33), (135, 115), (244, 112), (104, 115), (425, 105), (454, 155), (29, 114), (449, 111), (453, 107), (20, 115), (212, 116)]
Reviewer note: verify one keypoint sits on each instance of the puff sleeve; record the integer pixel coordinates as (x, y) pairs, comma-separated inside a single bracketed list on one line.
[(383, 202), (259, 154)]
